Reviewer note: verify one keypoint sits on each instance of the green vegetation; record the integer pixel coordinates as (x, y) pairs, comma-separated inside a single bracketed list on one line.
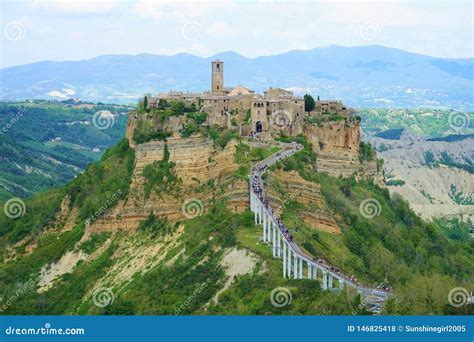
[(247, 156), (309, 103), (366, 152), (429, 157), (141, 137), (103, 183), (193, 124), (327, 117), (303, 161), (446, 159), (395, 247), (391, 134), (159, 175), (95, 241), (458, 197), (453, 137), (93, 192), (426, 121), (45, 144), (151, 121), (156, 226), (222, 137), (39, 211), (455, 228), (50, 248), (395, 182)]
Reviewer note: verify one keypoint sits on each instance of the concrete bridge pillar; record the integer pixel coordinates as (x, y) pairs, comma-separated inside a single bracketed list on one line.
[(309, 270), (325, 280), (341, 284), (330, 280), (256, 212), (284, 259), (278, 243), (289, 261), (265, 229), (301, 268), (274, 246), (295, 270)]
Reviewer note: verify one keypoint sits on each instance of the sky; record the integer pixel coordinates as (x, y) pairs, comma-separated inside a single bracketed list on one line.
[(37, 30)]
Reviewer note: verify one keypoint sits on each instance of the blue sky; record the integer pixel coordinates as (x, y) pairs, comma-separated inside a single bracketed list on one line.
[(39, 30)]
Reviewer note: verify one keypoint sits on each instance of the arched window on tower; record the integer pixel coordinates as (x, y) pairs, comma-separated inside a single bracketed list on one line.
[(218, 67)]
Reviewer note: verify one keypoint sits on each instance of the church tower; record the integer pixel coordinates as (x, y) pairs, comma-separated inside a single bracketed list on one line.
[(217, 76)]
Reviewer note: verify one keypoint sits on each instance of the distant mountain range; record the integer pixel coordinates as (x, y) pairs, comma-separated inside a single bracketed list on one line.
[(368, 76)]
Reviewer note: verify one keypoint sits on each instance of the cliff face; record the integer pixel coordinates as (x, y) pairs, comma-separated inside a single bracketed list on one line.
[(197, 162), (337, 147), (334, 136)]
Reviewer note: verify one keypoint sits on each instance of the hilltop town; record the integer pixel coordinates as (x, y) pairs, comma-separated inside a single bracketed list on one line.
[(275, 111), (330, 126)]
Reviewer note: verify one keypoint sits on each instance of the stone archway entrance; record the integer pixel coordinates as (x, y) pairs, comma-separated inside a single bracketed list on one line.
[(259, 127)]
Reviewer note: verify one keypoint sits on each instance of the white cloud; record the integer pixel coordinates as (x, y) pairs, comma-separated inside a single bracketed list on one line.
[(221, 29), (65, 94), (179, 9), (75, 6)]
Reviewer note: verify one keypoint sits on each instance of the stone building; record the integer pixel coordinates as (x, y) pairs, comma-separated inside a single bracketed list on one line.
[(275, 110)]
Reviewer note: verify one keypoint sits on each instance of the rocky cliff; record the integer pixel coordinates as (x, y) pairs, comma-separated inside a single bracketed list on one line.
[(336, 144), (204, 172)]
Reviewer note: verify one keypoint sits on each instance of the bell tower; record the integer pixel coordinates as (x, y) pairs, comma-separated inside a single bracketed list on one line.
[(217, 76)]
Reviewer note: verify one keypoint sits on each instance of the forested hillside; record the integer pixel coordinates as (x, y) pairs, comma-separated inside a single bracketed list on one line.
[(45, 144)]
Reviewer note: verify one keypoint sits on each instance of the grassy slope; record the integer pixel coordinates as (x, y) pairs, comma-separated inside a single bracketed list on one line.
[(425, 262)]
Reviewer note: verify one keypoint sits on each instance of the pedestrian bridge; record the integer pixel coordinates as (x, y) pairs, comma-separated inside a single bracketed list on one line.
[(297, 264)]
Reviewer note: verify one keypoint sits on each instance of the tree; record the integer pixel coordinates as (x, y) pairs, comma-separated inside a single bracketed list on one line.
[(177, 108), (309, 103), (145, 102)]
